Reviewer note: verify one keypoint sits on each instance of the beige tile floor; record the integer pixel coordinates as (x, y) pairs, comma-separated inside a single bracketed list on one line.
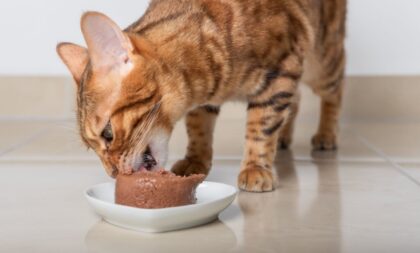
[(363, 198)]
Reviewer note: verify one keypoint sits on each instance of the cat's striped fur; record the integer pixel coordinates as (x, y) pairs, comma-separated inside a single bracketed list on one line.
[(188, 57)]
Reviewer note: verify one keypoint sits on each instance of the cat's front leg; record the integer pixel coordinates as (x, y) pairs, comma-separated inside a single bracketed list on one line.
[(265, 121), (200, 127), (269, 110), (261, 143)]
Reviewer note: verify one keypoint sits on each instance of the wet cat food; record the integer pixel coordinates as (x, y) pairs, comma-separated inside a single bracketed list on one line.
[(156, 189)]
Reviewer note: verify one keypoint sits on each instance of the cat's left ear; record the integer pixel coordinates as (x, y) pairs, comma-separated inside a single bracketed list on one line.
[(108, 46), (75, 57)]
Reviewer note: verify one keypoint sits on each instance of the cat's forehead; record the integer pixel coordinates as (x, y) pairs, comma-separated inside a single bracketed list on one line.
[(98, 93), (102, 94)]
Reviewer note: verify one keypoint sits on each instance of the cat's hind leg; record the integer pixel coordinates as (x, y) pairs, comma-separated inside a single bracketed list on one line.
[(200, 127), (329, 86), (328, 81)]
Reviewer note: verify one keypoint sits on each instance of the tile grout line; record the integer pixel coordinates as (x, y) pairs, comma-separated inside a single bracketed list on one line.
[(394, 165), (24, 142), (93, 158), (34, 119)]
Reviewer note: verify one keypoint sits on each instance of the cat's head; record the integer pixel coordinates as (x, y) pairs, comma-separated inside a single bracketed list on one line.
[(125, 112)]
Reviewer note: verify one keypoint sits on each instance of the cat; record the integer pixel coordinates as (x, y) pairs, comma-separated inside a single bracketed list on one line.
[(188, 57)]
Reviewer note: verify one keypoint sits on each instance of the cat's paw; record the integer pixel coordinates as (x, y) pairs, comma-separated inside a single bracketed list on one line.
[(256, 180), (188, 167), (284, 142), (324, 141)]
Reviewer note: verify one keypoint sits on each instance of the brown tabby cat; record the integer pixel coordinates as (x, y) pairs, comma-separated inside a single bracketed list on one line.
[(188, 57)]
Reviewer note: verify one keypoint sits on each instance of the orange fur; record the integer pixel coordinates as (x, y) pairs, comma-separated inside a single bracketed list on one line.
[(188, 57)]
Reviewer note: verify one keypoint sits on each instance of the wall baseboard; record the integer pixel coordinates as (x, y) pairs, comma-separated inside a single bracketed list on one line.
[(366, 99)]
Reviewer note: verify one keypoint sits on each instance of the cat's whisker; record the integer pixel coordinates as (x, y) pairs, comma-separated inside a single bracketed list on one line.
[(141, 134)]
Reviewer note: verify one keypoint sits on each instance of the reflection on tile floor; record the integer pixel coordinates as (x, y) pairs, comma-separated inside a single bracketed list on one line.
[(359, 199)]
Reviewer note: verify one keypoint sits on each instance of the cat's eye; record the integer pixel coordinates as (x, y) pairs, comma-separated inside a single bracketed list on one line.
[(107, 134)]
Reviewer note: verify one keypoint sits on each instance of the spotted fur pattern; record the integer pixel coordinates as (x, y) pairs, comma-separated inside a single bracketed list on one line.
[(191, 56)]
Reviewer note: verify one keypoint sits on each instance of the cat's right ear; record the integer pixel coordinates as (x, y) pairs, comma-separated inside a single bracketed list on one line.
[(109, 47), (75, 57)]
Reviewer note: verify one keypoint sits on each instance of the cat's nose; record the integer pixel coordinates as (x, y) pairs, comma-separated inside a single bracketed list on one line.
[(110, 168)]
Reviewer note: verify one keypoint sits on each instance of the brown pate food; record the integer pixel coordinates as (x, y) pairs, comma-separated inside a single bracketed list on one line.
[(156, 189)]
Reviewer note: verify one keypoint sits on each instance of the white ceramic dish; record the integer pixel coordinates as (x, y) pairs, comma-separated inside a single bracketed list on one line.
[(212, 198)]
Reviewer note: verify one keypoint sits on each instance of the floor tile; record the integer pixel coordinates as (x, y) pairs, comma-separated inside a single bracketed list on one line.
[(401, 142), (333, 207), (14, 134), (42, 207), (60, 142), (319, 206), (229, 142), (330, 206), (412, 169), (350, 147)]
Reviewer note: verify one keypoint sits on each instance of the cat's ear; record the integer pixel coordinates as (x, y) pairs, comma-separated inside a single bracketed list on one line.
[(75, 57), (108, 46)]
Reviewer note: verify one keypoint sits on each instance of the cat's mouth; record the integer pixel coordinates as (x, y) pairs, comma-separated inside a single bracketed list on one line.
[(155, 155), (149, 162)]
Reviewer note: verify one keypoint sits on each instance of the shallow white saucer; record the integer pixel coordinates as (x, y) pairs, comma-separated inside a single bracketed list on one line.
[(212, 198)]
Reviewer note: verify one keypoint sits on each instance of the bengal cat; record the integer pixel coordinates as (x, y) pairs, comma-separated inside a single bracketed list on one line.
[(188, 57)]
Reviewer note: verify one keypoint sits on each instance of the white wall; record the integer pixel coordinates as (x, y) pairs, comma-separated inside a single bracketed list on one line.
[(30, 30), (383, 38)]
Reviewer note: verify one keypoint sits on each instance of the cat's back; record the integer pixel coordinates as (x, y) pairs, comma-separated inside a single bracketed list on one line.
[(260, 30), (244, 15)]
